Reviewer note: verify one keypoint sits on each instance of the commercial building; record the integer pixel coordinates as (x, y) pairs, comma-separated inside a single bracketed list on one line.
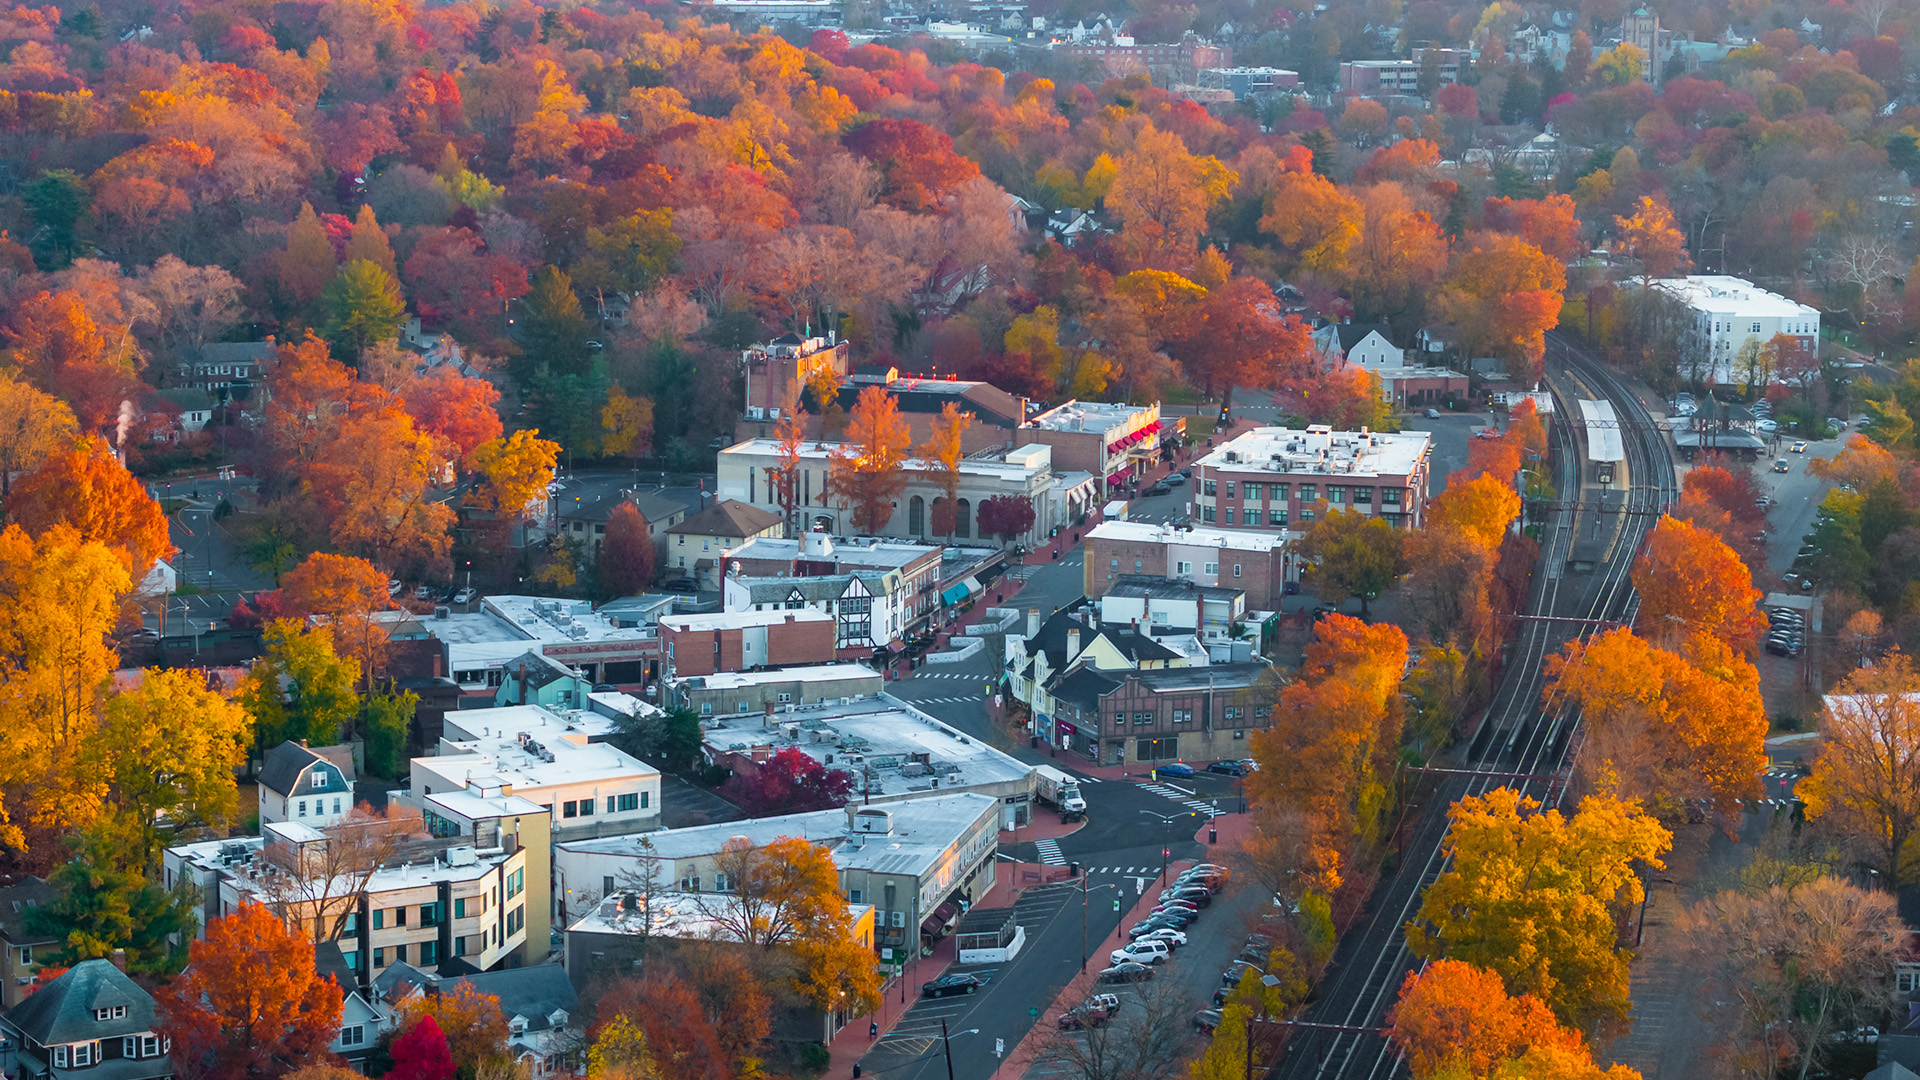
[(695, 545), (1271, 477), (1164, 605), (429, 901), (1368, 77), (870, 611), (1113, 442), (923, 568), (895, 753), (997, 415), (917, 862), (777, 371), (1025, 473), (1125, 717), (745, 641), (586, 788), (1729, 314), (1256, 562), (477, 647), (1168, 62), (1246, 82), (775, 690)]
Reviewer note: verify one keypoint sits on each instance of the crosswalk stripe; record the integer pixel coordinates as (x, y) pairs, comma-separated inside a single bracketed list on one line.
[(1050, 852)]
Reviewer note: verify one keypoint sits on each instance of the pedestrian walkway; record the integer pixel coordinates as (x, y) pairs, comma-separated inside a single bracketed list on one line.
[(1049, 850), (1184, 798)]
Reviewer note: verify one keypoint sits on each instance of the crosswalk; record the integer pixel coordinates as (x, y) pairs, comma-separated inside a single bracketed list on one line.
[(1050, 852), (973, 699), (1781, 779), (1184, 798), (976, 677), (1122, 871)]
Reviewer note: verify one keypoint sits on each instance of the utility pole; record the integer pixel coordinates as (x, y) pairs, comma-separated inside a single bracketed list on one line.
[(946, 1042)]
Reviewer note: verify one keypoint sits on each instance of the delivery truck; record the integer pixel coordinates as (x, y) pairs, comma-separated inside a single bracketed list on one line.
[(1061, 791)]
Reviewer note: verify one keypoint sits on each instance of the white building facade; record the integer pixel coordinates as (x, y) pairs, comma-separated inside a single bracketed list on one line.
[(1730, 312)]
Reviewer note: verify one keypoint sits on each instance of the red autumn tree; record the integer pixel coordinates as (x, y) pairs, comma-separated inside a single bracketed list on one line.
[(1006, 516), (250, 1003), (678, 1028), (1549, 224), (918, 165), (1691, 583), (87, 488), (1236, 336), (789, 782), (626, 560), (421, 1052), (454, 407), (454, 279)]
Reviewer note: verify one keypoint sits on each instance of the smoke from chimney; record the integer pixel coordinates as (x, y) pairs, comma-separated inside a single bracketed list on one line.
[(124, 422)]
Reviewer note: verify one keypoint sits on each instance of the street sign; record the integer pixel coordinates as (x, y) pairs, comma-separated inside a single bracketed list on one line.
[(1033, 1012), (1116, 904), (999, 1048), (1139, 886), (1164, 853)]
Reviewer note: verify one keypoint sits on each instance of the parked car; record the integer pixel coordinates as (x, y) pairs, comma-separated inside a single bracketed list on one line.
[(423, 592), (1095, 1011), (394, 586), (948, 985), (1487, 433), (1767, 424), (1160, 488), (1149, 925), (1433, 414), (1174, 938), (1221, 994), (1178, 769), (465, 596), (1145, 950), (1182, 917), (1126, 973), (1206, 1020), (1228, 768), (1175, 479), (1231, 976), (1197, 895)]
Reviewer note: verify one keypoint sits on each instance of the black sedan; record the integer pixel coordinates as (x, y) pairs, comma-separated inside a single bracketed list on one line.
[(1126, 973), (1228, 768), (947, 985)]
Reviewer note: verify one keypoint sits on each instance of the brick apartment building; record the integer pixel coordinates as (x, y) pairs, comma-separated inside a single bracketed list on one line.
[(997, 415), (1168, 62), (1272, 477), (1257, 563), (776, 371), (744, 640)]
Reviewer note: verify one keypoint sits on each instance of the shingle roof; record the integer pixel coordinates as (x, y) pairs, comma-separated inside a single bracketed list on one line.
[(535, 993), (729, 518), (539, 670), (63, 1010), (1083, 686), (18, 899), (1351, 334), (285, 764)]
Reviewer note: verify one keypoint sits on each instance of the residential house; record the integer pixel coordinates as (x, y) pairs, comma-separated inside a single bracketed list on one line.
[(534, 678), (1142, 717), (228, 369), (21, 949), (695, 545), (92, 1021), (545, 1025), (1370, 346), (363, 1016), (579, 507), (299, 783)]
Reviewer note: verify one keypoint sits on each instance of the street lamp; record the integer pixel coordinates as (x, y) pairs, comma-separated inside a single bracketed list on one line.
[(1166, 846), (946, 1043)]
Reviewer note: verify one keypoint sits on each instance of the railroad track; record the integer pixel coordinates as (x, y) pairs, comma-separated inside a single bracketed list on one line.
[(1524, 742)]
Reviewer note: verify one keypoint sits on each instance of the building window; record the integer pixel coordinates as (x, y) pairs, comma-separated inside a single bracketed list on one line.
[(149, 1046), (59, 1057), (1136, 566), (336, 804), (1390, 496), (115, 1012), (429, 914), (1183, 567), (302, 804), (1306, 514), (1113, 566), (1336, 493), (1907, 979), (320, 779), (1280, 492), (1208, 488), (1276, 516), (1229, 489), (429, 953), (1213, 569), (784, 699), (1206, 512), (1251, 490), (379, 918), (570, 808), (460, 905), (26, 956), (1229, 515), (353, 1036), (1236, 569), (629, 802), (1362, 495), (399, 916), (1756, 327), (1308, 493)]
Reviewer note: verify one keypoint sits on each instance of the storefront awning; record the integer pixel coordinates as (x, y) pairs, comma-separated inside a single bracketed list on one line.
[(941, 918), (958, 591)]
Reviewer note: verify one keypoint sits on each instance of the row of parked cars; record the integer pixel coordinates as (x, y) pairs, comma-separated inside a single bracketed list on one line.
[(1786, 631), (1152, 940)]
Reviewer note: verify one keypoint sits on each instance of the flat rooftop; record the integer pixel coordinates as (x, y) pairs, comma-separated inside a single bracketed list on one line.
[(1721, 293), (893, 748), (1096, 416), (501, 756), (818, 673), (1146, 532), (1321, 450), (1028, 465), (740, 620), (686, 915), (923, 830), (540, 724), (867, 553)]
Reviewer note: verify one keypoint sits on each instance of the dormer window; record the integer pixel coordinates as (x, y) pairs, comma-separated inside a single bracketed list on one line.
[(320, 779), (116, 1012)]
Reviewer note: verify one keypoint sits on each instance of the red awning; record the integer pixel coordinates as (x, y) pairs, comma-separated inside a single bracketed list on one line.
[(1117, 478)]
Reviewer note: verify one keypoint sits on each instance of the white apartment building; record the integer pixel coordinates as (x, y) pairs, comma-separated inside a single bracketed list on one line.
[(587, 788), (1729, 312), (1272, 477)]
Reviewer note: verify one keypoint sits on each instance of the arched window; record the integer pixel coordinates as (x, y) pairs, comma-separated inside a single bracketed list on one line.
[(916, 516), (962, 519)]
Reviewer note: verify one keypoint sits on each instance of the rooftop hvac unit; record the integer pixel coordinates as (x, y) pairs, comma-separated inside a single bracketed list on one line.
[(442, 612)]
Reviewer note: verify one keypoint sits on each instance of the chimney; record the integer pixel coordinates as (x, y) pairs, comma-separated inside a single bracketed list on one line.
[(120, 955), (1033, 622), (1073, 644), (523, 682)]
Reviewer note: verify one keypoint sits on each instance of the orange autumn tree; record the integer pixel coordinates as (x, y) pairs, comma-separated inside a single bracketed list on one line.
[(1316, 221), (1549, 224), (454, 407), (1651, 238), (58, 347), (250, 1003), (1865, 778), (866, 472), (1692, 583), (346, 591), (88, 489), (1458, 1021), (942, 452), (1503, 294), (1336, 730), (1667, 728)]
